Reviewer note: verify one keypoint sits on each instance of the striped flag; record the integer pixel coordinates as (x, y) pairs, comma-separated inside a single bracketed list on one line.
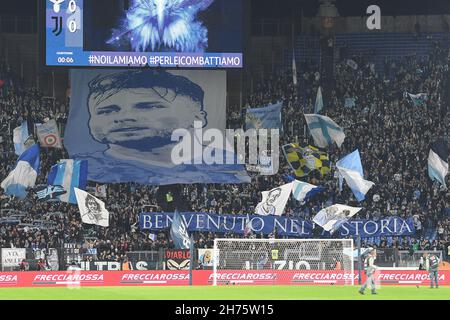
[(24, 175), (438, 161), (303, 191), (69, 174), (350, 168), (324, 130), (50, 193)]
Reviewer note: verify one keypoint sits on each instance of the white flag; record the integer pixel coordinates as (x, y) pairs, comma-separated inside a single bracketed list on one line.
[(48, 134), (92, 210), (324, 130), (331, 218), (294, 70), (274, 201)]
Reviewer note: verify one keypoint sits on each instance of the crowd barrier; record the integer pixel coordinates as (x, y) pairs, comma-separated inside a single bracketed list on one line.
[(205, 277)]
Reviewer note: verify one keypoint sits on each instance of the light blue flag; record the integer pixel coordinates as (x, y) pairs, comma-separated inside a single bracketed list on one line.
[(350, 102), (319, 101), (20, 135), (437, 161), (418, 99), (350, 169), (179, 232), (324, 130), (24, 175), (303, 191), (69, 174), (268, 117)]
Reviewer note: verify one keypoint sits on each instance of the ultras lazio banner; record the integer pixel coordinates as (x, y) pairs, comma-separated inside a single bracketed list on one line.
[(291, 227)]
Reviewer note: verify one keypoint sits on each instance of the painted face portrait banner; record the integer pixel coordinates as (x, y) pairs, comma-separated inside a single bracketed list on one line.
[(123, 123)]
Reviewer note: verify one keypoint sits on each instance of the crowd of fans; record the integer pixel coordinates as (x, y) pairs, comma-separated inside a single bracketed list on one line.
[(392, 135)]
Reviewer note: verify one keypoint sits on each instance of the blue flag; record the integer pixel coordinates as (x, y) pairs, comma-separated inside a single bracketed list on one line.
[(350, 169), (178, 232), (268, 117), (24, 175), (69, 174), (20, 135), (303, 191), (438, 161)]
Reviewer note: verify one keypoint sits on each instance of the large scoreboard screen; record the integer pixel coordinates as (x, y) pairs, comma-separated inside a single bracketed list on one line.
[(142, 33)]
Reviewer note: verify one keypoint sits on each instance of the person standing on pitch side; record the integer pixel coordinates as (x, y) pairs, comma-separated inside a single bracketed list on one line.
[(370, 268)]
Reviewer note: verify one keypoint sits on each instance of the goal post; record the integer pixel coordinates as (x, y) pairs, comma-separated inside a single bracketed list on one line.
[(283, 262)]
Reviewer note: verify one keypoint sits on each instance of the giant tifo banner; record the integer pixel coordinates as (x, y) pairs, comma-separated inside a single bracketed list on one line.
[(206, 277), (208, 222), (122, 122)]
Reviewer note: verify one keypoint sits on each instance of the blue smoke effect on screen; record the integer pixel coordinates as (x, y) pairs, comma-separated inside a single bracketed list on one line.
[(163, 25)]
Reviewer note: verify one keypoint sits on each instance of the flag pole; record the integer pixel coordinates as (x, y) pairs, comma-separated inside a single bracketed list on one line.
[(191, 263), (358, 243)]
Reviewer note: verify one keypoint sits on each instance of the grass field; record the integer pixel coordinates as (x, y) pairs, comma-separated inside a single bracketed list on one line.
[(225, 293)]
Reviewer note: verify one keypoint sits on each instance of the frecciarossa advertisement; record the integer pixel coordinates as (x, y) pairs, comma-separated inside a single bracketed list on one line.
[(206, 277)]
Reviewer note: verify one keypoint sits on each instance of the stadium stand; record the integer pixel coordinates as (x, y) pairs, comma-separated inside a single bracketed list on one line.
[(392, 135)]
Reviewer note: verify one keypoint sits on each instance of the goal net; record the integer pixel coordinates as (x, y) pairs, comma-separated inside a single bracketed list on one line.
[(283, 261)]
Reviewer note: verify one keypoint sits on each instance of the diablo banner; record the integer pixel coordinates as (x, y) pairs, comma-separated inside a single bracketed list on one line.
[(177, 259)]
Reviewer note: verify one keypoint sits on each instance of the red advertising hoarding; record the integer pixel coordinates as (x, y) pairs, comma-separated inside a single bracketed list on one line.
[(205, 277)]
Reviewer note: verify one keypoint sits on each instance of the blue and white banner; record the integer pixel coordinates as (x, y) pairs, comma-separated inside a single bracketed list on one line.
[(438, 161), (350, 102), (20, 136), (69, 174), (350, 168), (303, 191), (50, 193), (24, 175), (268, 117), (232, 223), (324, 130), (178, 232), (128, 123)]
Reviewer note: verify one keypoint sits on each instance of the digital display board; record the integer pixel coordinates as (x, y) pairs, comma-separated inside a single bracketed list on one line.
[(142, 33)]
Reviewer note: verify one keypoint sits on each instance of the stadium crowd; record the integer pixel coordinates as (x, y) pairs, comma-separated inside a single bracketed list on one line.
[(392, 135)]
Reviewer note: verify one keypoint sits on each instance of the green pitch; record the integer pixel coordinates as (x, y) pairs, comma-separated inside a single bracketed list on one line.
[(225, 293)]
